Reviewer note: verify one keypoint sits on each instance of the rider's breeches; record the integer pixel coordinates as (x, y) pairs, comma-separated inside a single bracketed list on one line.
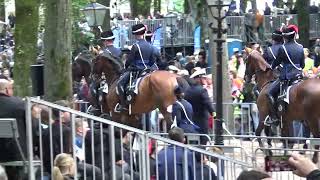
[(124, 79), (274, 88)]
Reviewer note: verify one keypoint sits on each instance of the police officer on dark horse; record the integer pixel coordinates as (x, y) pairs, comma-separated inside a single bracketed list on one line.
[(270, 54), (140, 58), (291, 57), (107, 38)]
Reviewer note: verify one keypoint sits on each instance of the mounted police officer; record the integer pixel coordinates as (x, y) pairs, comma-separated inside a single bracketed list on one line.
[(140, 58), (270, 54), (291, 57), (107, 38), (157, 54)]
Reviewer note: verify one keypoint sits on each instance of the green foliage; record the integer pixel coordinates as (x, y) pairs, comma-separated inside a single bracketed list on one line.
[(76, 6)]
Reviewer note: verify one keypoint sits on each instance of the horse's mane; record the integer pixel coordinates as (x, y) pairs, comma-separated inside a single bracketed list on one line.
[(84, 56), (115, 62), (257, 56)]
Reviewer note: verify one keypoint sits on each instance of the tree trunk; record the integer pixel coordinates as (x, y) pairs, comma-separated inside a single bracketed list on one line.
[(57, 43), (303, 21), (106, 22), (26, 29), (156, 6), (2, 10), (243, 6), (254, 4), (140, 7)]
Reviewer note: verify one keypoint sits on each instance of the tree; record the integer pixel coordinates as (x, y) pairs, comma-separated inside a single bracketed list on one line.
[(140, 7), (303, 21), (58, 50), (106, 24), (26, 28)]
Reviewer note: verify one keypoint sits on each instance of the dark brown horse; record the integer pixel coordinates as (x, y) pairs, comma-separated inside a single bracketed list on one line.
[(304, 98), (81, 66), (155, 90)]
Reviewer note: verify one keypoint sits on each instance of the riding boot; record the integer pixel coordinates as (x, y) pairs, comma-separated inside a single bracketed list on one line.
[(273, 111), (122, 100)]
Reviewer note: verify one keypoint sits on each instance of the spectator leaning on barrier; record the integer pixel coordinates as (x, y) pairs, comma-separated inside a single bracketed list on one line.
[(166, 167), (12, 107)]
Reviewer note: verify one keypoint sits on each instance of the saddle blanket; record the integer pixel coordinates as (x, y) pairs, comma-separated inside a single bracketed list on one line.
[(287, 98)]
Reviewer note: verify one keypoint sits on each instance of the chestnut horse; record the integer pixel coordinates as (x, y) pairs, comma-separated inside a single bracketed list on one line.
[(304, 98), (156, 90)]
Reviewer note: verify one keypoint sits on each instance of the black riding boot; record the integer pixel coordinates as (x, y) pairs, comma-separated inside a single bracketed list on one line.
[(273, 111), (121, 90)]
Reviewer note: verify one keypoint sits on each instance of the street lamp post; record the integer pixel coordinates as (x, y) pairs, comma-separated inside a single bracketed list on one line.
[(219, 76), (95, 14)]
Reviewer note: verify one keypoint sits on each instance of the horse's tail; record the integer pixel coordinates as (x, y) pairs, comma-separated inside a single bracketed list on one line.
[(182, 82)]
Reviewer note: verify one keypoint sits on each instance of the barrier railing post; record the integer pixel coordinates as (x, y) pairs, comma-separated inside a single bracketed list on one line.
[(29, 140)]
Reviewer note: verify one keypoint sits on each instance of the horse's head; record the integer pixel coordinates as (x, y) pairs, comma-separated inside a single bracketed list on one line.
[(108, 65), (255, 63)]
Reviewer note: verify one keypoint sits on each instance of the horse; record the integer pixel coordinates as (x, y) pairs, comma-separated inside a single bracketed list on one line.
[(304, 98), (156, 90), (81, 66)]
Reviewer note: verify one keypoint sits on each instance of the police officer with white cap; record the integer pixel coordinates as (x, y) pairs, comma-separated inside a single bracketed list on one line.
[(140, 58), (107, 37)]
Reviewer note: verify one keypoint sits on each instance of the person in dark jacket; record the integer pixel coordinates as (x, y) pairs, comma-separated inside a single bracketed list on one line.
[(203, 171), (12, 107), (166, 168), (61, 124), (182, 113), (201, 103), (156, 52), (107, 37), (270, 54), (291, 56)]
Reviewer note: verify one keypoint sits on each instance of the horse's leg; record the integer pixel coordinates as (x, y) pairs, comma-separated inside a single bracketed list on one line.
[(313, 125), (259, 129), (167, 117), (285, 132)]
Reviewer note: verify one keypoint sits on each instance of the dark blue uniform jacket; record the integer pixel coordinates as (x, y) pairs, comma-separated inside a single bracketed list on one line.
[(116, 52), (270, 54), (290, 70), (201, 104), (134, 58), (180, 116)]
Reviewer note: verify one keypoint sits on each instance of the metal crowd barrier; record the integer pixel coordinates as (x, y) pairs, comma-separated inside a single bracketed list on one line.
[(110, 150), (184, 34), (240, 118), (246, 148)]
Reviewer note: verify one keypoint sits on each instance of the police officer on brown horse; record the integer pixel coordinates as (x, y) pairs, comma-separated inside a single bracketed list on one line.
[(270, 54), (108, 38), (140, 58), (291, 57)]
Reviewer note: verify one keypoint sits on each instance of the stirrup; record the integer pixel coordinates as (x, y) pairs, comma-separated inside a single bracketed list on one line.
[(119, 108)]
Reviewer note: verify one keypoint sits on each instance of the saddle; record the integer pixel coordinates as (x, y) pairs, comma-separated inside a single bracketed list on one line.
[(132, 88), (284, 94)]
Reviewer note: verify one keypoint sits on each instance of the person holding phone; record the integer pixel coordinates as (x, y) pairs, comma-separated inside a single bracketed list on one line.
[(304, 167)]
